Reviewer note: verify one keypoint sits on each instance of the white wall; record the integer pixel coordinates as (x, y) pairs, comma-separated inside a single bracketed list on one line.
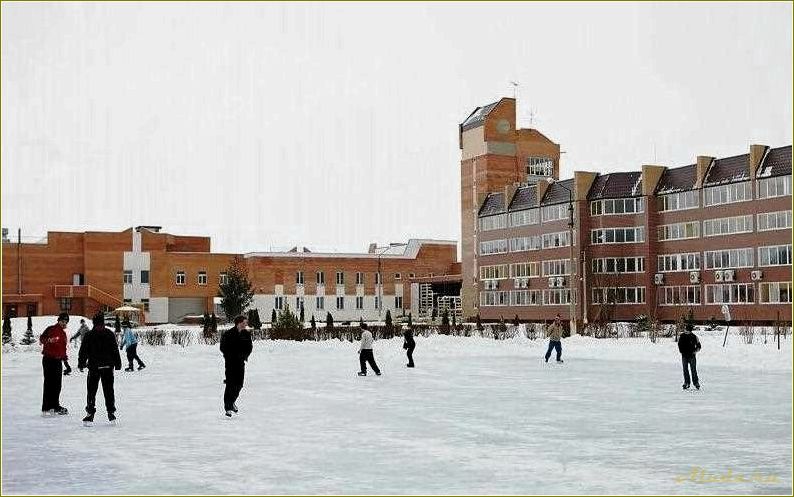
[(158, 310), (266, 302)]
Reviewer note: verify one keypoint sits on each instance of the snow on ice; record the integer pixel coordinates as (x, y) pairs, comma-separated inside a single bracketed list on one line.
[(476, 416)]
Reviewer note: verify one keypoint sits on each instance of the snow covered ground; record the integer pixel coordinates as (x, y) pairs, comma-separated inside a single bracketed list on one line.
[(476, 416)]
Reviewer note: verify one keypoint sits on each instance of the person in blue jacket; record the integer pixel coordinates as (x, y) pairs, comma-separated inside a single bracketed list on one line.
[(131, 342)]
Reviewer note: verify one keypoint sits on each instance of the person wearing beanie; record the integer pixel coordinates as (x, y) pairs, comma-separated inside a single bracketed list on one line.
[(100, 354), (365, 354), (130, 341), (53, 341), (236, 346), (409, 345), (689, 346)]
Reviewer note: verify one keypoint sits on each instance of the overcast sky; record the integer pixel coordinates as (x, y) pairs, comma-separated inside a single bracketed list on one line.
[(332, 126)]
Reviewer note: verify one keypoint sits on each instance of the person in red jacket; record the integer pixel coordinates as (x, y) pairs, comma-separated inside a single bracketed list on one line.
[(54, 341)]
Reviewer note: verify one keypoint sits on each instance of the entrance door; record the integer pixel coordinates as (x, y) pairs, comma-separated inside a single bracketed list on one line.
[(78, 279)]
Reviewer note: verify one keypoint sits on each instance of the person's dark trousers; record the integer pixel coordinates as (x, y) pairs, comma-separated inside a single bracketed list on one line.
[(132, 354), (366, 356), (235, 376), (53, 372), (410, 352), (94, 377), (554, 344), (690, 361)]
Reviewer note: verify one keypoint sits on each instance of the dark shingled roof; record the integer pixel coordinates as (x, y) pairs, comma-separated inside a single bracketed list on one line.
[(678, 179), (494, 203), (776, 163), (616, 185), (477, 117), (728, 170), (556, 194), (525, 198)]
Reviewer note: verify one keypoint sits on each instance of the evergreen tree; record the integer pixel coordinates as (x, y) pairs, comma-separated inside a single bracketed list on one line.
[(30, 323), (516, 322), (410, 320), (236, 293), (273, 318), (313, 323), (445, 322), (257, 320), (205, 323), (301, 314), (329, 323), (479, 323), (214, 323), (454, 323), (28, 338), (287, 326), (360, 322), (7, 329), (433, 315), (389, 326), (251, 318)]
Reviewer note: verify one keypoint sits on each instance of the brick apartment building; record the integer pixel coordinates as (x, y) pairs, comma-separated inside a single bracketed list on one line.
[(171, 276), (658, 242)]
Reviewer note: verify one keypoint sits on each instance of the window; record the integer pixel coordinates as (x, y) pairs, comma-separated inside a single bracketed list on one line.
[(615, 206), (619, 295), (127, 277), (319, 302), (679, 201), (540, 166), (776, 255), (298, 304), (398, 302), (340, 278), (127, 301), (727, 194), (279, 302), (299, 277), (202, 277), (340, 302), (145, 303), (359, 303), (411, 275), (728, 225), (769, 221), (613, 265), (617, 235), (554, 212), (679, 231), (496, 222), (66, 304), (678, 262), (525, 297), (561, 296), (223, 278), (737, 293), (557, 267), (559, 239), (377, 302), (397, 276), (525, 243), (524, 270), (359, 278), (774, 187), (493, 247), (678, 295), (378, 279), (524, 218), (180, 277), (498, 272), (494, 298), (145, 277), (320, 278), (778, 292), (726, 259)]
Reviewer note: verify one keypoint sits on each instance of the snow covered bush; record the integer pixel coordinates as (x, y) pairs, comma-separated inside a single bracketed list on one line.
[(7, 339), (181, 337), (153, 337)]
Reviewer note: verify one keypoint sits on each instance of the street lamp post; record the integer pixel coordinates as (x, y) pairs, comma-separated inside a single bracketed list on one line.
[(571, 305)]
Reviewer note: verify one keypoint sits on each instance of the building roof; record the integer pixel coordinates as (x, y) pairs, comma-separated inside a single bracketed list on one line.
[(557, 193), (616, 185), (401, 251), (777, 162), (728, 170), (494, 203), (477, 117), (525, 197), (677, 179)]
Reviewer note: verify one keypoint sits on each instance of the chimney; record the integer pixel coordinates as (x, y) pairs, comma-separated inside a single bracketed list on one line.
[(703, 163), (582, 182), (542, 187), (650, 178), (510, 190), (757, 153)]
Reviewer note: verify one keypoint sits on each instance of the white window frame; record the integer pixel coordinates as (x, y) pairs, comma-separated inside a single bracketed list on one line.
[(494, 272), (398, 302), (774, 255), (340, 302), (359, 302), (320, 277), (359, 278), (769, 289), (540, 166), (201, 281), (524, 217), (674, 263), (733, 291), (771, 221), (127, 277), (688, 230), (611, 265), (678, 295), (319, 302), (727, 194), (340, 277), (490, 247), (278, 302), (617, 206), (736, 258), (299, 280), (600, 236), (491, 223), (779, 186), (181, 275), (670, 202), (727, 225)]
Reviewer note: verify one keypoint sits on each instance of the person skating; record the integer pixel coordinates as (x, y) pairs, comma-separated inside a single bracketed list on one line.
[(409, 344), (54, 355), (365, 354), (689, 345), (98, 353), (236, 346), (130, 341), (80, 332), (554, 332)]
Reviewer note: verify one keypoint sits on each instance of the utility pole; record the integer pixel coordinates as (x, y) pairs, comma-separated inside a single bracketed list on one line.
[(19, 261)]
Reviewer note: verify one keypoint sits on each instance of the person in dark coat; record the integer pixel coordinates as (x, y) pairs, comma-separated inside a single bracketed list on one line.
[(100, 354), (236, 346), (409, 344), (689, 345), (54, 355)]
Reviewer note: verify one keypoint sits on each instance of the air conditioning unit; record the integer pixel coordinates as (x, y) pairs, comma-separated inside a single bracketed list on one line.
[(756, 275), (694, 277), (552, 282), (658, 278), (728, 275), (560, 281), (717, 275), (516, 282), (494, 284), (523, 283)]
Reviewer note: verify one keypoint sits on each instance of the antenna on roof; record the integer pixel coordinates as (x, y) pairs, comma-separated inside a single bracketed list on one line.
[(515, 89), (531, 117)]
